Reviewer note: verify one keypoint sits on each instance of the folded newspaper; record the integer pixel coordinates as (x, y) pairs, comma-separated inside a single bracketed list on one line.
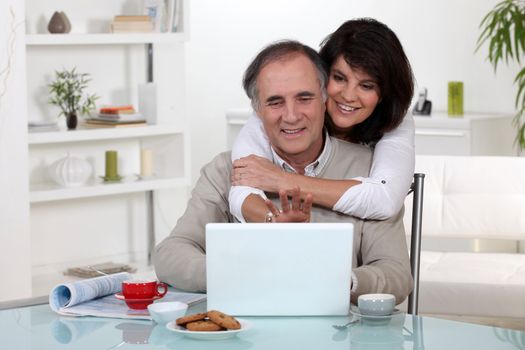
[(96, 297)]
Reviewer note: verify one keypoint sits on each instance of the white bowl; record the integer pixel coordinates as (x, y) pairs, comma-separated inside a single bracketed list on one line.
[(376, 304), (164, 312)]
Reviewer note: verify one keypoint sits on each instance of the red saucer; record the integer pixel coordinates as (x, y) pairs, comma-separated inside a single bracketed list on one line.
[(137, 304)]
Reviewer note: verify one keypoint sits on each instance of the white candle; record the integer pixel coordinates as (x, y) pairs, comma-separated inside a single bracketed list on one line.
[(146, 163)]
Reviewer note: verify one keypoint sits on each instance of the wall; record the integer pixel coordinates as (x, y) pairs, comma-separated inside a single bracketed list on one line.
[(14, 205), (439, 38)]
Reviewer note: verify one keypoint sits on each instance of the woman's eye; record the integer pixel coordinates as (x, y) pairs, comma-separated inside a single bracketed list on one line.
[(368, 86), (338, 77)]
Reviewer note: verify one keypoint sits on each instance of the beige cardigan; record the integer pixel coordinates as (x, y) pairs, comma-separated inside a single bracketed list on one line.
[(380, 259)]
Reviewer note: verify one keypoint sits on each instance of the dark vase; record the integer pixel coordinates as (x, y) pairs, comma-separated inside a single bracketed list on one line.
[(59, 23), (71, 121), (66, 21)]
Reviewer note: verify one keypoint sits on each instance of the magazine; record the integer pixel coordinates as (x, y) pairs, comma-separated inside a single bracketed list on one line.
[(96, 297)]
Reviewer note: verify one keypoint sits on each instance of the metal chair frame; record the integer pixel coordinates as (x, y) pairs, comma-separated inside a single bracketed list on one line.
[(416, 188)]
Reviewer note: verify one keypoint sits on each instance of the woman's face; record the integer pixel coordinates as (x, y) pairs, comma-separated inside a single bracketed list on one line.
[(352, 96)]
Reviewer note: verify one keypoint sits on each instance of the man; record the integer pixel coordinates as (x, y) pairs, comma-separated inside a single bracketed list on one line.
[(288, 90)]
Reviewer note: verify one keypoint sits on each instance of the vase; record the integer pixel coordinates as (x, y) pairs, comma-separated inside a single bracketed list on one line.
[(59, 23), (66, 21), (71, 121), (70, 171)]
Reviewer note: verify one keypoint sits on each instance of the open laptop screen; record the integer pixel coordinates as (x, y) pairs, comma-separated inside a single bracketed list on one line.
[(279, 268)]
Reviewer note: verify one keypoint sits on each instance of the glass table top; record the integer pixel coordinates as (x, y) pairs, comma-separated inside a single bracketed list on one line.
[(37, 327)]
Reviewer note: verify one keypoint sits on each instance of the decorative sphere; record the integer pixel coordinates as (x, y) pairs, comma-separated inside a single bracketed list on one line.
[(70, 171)]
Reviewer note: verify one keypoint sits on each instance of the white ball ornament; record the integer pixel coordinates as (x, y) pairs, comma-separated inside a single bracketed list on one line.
[(70, 171)]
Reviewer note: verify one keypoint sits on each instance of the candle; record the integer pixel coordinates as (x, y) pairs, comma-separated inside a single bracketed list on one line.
[(455, 98), (111, 165), (146, 163)]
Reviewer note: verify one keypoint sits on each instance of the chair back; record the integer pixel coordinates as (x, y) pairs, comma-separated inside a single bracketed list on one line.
[(415, 239)]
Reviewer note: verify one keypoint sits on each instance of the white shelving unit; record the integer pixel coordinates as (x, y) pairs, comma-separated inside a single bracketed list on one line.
[(51, 137), (104, 39), (474, 134), (43, 191), (104, 216)]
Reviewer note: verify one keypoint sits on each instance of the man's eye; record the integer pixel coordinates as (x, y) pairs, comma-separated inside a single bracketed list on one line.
[(305, 99), (274, 103)]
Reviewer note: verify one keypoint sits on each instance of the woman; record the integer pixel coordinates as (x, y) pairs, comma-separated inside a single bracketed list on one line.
[(369, 90)]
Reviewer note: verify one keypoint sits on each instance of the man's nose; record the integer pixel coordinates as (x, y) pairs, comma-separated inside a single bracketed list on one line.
[(291, 113)]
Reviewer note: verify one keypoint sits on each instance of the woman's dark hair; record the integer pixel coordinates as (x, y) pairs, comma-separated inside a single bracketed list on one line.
[(370, 46)]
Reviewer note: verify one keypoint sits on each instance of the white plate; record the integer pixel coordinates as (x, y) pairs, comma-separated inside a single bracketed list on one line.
[(355, 312), (219, 335)]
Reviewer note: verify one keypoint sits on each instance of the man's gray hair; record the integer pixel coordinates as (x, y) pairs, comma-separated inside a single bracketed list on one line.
[(274, 52)]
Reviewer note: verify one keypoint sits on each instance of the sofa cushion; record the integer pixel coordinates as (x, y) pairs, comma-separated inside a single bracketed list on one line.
[(478, 284), (478, 197)]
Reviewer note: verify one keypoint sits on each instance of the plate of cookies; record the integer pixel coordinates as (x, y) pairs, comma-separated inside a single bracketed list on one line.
[(211, 325)]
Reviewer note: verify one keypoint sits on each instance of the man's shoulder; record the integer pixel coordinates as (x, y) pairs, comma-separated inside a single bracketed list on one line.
[(221, 160), (216, 175)]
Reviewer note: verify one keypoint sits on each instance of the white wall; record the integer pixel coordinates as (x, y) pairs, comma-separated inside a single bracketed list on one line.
[(14, 204), (439, 37)]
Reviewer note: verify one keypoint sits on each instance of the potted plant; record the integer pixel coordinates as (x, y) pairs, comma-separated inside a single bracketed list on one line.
[(67, 92), (504, 28)]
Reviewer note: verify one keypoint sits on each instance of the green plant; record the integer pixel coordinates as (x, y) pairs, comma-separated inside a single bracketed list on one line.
[(504, 28), (67, 92)]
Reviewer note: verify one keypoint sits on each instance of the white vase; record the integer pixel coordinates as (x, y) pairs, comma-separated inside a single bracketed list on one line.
[(70, 171)]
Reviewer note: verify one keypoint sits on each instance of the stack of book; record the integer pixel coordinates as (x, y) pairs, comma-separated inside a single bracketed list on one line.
[(38, 126), (131, 24), (115, 116)]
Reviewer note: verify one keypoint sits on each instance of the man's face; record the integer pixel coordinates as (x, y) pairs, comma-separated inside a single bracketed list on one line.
[(291, 108)]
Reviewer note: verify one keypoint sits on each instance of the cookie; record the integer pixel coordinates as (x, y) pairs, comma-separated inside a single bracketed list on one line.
[(203, 326), (223, 320), (181, 321)]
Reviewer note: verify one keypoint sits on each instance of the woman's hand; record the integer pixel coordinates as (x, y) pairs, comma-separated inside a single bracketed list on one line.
[(259, 172), (297, 211)]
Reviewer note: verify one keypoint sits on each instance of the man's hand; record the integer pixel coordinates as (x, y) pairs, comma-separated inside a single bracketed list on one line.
[(298, 211), (259, 172)]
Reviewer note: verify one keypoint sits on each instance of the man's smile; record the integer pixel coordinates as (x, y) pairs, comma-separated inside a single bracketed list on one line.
[(293, 132)]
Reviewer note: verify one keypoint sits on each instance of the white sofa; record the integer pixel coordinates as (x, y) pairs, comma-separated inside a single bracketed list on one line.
[(473, 221)]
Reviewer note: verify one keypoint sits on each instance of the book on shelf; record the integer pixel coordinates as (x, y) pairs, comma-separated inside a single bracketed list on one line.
[(131, 27), (114, 116), (96, 123), (123, 24), (38, 126), (124, 109), (136, 117), (96, 297), (132, 18)]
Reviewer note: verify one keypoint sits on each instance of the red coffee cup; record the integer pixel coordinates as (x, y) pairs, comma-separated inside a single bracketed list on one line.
[(138, 294)]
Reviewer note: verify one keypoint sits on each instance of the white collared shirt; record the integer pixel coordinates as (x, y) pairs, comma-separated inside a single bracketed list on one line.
[(313, 169)]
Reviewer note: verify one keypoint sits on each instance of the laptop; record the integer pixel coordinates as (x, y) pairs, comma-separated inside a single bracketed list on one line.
[(279, 269)]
